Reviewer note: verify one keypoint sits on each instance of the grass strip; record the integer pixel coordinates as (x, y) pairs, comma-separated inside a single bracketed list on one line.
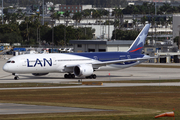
[(80, 116), (15, 85), (128, 103)]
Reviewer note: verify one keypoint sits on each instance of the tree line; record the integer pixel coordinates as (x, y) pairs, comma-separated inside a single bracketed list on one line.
[(149, 8), (99, 3), (31, 31)]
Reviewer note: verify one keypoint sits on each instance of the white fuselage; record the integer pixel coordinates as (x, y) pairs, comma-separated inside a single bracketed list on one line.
[(55, 62)]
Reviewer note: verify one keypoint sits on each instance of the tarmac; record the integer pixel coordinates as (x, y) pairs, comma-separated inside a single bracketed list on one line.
[(132, 73)]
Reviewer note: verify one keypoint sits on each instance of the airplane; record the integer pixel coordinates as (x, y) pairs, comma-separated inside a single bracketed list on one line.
[(81, 65)]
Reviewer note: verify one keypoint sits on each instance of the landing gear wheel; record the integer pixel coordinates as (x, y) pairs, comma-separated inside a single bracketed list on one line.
[(72, 76), (69, 76), (94, 76), (66, 76), (16, 78)]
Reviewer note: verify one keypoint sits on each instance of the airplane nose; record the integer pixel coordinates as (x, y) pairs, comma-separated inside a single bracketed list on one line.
[(6, 68)]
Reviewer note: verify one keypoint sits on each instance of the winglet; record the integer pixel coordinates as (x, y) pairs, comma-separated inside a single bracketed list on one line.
[(138, 44)]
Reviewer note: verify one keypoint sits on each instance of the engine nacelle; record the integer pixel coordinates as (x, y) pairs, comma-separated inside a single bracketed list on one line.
[(83, 70), (39, 74)]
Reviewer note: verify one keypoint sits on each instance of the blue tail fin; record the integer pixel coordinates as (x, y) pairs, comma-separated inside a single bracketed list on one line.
[(138, 44)]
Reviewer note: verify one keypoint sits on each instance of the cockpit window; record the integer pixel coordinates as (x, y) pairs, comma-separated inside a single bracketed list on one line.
[(10, 61)]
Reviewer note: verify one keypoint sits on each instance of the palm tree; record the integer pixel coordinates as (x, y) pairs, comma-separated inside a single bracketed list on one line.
[(66, 15), (118, 15), (26, 20), (104, 12), (53, 17), (143, 20), (7, 17), (166, 8), (77, 17), (38, 25), (14, 17), (97, 14), (86, 13), (116, 24), (135, 23)]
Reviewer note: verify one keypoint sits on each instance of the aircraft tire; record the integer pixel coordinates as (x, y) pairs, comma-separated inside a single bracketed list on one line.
[(16, 78), (66, 76), (69, 76), (94, 76), (72, 76)]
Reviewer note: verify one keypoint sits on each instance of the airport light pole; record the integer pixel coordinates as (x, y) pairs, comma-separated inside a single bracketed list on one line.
[(179, 38), (108, 26), (43, 13), (52, 33), (155, 20), (2, 12)]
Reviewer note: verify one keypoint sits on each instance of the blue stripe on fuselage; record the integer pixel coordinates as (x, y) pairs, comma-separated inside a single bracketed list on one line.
[(109, 56)]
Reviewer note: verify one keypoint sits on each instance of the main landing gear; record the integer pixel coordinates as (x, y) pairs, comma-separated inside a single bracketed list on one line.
[(16, 77), (93, 76), (69, 76)]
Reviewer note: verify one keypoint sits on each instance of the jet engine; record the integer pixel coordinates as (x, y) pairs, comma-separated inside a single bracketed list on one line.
[(39, 74), (83, 70)]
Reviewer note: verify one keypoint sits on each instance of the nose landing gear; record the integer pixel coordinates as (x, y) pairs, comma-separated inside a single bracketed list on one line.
[(16, 77)]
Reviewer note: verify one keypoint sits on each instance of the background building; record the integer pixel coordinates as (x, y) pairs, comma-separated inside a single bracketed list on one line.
[(74, 8), (101, 45), (176, 25)]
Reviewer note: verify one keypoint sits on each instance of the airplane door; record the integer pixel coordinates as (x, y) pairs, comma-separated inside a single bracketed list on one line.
[(54, 62), (24, 62)]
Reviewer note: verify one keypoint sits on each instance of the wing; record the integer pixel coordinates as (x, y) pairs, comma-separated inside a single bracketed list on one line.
[(124, 60), (99, 63)]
